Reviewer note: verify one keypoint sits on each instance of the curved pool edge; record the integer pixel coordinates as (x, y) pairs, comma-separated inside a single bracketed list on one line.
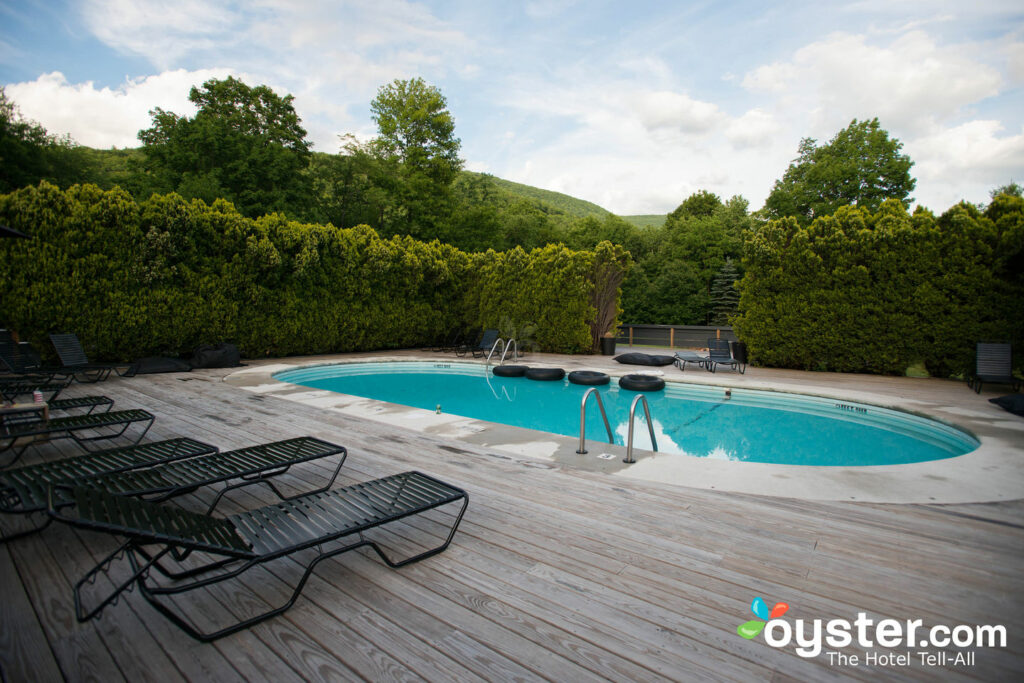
[(992, 472)]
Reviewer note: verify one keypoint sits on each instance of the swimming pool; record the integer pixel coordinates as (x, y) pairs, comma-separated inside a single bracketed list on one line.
[(751, 426)]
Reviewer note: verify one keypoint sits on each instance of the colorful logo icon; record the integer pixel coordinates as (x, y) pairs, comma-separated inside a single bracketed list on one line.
[(760, 609)]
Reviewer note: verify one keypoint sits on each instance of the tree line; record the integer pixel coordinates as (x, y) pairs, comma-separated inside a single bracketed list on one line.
[(247, 145)]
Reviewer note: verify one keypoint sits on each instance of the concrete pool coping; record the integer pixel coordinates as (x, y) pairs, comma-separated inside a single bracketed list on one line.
[(992, 472)]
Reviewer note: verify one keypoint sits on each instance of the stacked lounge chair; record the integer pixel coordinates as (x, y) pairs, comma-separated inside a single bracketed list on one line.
[(327, 523)]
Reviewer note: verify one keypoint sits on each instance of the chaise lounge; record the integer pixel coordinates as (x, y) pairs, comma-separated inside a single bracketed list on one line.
[(157, 533), (74, 362), (684, 357), (719, 353), (23, 490), (993, 364), (83, 429)]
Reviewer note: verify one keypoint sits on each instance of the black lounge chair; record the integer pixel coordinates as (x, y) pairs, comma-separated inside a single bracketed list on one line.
[(21, 362), (250, 465), (684, 357), (24, 490), (74, 361), (993, 364), (451, 342), (720, 353), (90, 402), (83, 429), (481, 347), (157, 532), (169, 478), (11, 388)]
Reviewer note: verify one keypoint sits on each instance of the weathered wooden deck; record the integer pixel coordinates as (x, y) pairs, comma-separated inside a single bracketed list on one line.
[(556, 573)]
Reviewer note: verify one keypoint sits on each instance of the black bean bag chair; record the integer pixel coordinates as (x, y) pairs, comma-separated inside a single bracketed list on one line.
[(545, 374), (154, 364), (216, 356), (509, 370), (590, 378), (1012, 402), (643, 359), (642, 383)]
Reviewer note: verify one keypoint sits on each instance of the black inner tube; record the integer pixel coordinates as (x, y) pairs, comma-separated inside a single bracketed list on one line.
[(545, 374), (509, 370), (589, 378), (641, 383)]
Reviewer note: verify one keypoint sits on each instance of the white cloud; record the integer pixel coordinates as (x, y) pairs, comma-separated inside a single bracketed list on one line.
[(965, 161), (163, 31), (359, 41), (106, 117), (925, 94), (908, 83), (756, 128), (330, 56), (675, 111)]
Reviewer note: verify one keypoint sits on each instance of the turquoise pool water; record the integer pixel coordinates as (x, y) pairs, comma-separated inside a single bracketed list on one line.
[(752, 426)]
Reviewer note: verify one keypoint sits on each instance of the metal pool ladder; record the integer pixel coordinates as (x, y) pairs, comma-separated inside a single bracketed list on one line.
[(505, 346), (583, 419), (650, 427)]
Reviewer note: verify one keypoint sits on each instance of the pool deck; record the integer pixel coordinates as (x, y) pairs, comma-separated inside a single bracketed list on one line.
[(560, 571)]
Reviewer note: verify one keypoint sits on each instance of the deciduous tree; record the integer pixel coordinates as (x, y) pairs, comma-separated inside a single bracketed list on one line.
[(416, 133), (860, 166), (245, 144)]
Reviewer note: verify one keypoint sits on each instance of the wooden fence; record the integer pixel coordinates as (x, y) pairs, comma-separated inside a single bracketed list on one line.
[(672, 336)]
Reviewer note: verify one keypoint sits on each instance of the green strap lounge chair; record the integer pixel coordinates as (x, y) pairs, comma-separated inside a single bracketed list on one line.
[(719, 353), (479, 348), (243, 466), (325, 524), (23, 490), (82, 429), (91, 403), (19, 361), (683, 357), (13, 387), (74, 361)]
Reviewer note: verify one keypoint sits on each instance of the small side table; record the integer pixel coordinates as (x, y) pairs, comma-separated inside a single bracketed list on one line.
[(14, 413)]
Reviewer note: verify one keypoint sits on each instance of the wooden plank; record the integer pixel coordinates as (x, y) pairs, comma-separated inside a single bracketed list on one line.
[(556, 573), (25, 654)]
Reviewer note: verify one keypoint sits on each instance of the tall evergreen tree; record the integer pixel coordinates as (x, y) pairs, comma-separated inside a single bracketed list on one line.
[(725, 297)]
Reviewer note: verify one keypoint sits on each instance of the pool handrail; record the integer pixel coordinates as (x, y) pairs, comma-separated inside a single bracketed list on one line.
[(505, 345), (515, 353), (583, 419), (650, 428)]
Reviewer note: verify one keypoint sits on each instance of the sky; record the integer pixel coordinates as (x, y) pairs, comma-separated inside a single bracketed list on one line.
[(633, 106)]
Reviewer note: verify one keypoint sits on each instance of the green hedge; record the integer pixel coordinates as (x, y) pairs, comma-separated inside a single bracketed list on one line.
[(166, 275), (877, 293)]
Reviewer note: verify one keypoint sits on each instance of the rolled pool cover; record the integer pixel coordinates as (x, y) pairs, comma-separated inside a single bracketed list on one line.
[(545, 374), (590, 378), (641, 383), (509, 370)]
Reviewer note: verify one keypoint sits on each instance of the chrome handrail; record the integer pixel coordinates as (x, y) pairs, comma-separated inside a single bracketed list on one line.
[(497, 341), (650, 427), (515, 353), (583, 419)]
